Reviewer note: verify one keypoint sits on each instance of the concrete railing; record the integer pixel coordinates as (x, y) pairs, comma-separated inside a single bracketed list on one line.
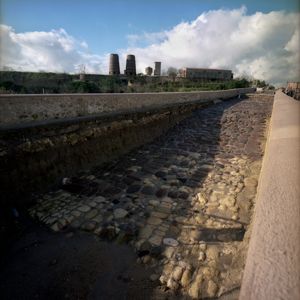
[(273, 261), (16, 109)]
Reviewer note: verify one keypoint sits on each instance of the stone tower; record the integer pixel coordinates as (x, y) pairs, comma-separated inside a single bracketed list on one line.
[(114, 67), (130, 65), (148, 71), (157, 68)]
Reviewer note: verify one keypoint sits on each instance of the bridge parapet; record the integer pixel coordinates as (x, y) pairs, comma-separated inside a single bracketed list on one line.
[(273, 260)]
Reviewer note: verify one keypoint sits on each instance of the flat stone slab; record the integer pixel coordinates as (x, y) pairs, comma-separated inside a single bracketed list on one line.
[(120, 213), (170, 242)]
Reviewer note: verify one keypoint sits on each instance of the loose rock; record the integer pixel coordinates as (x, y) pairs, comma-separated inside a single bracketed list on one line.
[(120, 213), (170, 242)]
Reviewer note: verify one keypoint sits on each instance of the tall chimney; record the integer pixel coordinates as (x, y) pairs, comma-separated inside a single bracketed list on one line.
[(114, 67), (130, 65)]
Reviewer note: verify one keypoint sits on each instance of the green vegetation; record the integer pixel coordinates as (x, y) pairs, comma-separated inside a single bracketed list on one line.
[(38, 83), (172, 84), (82, 87), (29, 82)]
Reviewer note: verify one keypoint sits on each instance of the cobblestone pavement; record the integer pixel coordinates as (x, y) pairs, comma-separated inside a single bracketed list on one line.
[(184, 202)]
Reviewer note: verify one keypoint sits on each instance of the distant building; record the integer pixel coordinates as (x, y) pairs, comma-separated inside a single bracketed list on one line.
[(205, 74), (157, 68), (148, 71)]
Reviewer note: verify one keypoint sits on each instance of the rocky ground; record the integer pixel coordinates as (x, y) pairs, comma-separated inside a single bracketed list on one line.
[(182, 203)]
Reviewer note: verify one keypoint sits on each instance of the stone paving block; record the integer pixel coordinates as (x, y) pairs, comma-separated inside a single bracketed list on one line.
[(84, 208)]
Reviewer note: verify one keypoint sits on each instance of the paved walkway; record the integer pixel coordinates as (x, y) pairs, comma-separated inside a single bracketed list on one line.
[(182, 202)]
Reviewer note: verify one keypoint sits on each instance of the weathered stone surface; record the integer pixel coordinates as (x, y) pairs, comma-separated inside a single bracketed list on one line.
[(177, 273), (202, 200), (195, 288), (186, 278), (170, 242), (212, 289), (91, 214), (212, 252), (99, 199), (159, 215), (169, 251), (84, 208), (89, 226), (120, 213), (250, 182), (148, 190), (76, 213), (229, 201), (154, 221), (172, 284), (146, 231), (154, 202), (155, 240), (202, 256)]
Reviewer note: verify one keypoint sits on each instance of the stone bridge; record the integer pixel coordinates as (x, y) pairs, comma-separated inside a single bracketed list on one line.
[(150, 196)]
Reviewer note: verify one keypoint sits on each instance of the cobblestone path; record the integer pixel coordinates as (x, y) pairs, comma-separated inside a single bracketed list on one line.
[(184, 202)]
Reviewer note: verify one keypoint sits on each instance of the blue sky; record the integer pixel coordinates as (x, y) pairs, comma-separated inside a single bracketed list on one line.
[(105, 24), (257, 38)]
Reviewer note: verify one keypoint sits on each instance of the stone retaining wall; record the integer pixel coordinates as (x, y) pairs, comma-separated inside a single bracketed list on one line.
[(16, 109), (35, 156)]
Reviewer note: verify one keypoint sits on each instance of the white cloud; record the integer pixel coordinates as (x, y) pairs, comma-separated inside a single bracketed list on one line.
[(54, 51), (262, 45)]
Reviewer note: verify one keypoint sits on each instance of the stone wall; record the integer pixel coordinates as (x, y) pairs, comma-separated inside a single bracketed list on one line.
[(38, 154), (15, 109), (35, 157)]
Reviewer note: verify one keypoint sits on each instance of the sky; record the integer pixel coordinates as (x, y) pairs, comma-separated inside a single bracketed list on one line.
[(257, 39)]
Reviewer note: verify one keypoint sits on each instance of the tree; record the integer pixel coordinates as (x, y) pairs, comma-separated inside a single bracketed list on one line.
[(261, 83), (7, 68), (172, 72)]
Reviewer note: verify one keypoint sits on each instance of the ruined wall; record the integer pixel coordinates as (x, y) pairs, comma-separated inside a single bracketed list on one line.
[(28, 108)]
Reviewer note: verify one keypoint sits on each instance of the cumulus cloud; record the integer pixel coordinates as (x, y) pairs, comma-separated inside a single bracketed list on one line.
[(264, 46), (261, 45), (53, 51)]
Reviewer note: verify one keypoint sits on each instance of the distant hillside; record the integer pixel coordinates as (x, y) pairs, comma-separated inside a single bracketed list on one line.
[(30, 82), (37, 83)]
